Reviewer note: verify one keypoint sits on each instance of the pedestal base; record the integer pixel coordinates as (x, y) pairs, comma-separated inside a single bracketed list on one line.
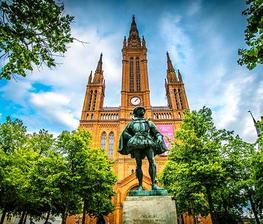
[(161, 192), (149, 210)]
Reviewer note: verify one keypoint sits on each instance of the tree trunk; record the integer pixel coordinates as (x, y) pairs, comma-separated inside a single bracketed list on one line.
[(211, 206), (3, 216), (254, 209), (24, 221), (64, 217), (48, 214), (182, 218), (22, 217), (84, 213)]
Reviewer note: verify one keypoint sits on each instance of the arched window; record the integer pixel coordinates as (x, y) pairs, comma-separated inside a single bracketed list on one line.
[(131, 75), (111, 144), (90, 98), (103, 140), (176, 99), (180, 98), (94, 100), (138, 78)]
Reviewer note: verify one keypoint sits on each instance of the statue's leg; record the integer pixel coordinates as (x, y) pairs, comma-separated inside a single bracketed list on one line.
[(152, 164), (139, 174)]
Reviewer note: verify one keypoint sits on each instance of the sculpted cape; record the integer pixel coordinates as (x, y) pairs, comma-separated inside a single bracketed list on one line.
[(141, 134)]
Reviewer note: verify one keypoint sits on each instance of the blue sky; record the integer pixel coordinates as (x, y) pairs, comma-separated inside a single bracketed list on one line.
[(202, 37)]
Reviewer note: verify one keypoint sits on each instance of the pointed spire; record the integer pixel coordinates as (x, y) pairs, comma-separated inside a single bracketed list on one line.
[(180, 76), (124, 42), (99, 66), (134, 38), (170, 67), (98, 76), (171, 75), (143, 42), (90, 78)]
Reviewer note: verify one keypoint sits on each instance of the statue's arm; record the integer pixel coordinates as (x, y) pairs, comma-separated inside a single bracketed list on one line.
[(155, 132)]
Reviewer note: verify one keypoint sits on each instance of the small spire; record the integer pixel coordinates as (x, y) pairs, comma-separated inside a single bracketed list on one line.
[(143, 42), (124, 42), (99, 66), (90, 78), (180, 76), (133, 20), (170, 67)]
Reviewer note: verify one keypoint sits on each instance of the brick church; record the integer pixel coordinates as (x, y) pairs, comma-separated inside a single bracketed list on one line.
[(107, 123)]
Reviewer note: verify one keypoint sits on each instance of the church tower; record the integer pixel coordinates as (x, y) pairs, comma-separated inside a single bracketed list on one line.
[(135, 85), (106, 123), (175, 92), (94, 97)]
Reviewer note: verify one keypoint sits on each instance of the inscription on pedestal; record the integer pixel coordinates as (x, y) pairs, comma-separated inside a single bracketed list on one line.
[(149, 210)]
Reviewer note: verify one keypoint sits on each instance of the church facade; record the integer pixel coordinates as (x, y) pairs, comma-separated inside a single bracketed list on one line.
[(106, 123)]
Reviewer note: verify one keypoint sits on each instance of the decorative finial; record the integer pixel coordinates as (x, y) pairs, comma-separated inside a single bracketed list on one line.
[(143, 41), (124, 42), (180, 76), (133, 18), (90, 77)]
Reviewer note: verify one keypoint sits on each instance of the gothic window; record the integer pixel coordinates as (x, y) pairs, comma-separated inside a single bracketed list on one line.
[(90, 98), (103, 140), (94, 100), (111, 144), (138, 78), (180, 98), (176, 99), (131, 75)]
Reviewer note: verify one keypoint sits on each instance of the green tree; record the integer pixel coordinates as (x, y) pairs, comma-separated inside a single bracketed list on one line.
[(90, 172), (195, 163), (209, 170), (33, 32), (13, 139), (253, 35), (12, 135), (52, 187)]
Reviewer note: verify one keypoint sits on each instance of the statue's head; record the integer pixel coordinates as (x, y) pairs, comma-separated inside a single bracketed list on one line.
[(138, 111)]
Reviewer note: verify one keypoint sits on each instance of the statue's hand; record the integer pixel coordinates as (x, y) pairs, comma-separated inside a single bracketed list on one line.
[(159, 139)]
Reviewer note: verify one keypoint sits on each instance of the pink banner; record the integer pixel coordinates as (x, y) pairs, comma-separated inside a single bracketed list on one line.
[(168, 132)]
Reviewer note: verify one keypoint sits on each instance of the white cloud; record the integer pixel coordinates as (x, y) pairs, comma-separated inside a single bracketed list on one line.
[(55, 107), (210, 77), (62, 104)]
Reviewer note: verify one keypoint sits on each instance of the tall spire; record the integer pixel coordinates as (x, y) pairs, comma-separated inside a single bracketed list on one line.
[(134, 38), (171, 75), (170, 67), (98, 76), (99, 66)]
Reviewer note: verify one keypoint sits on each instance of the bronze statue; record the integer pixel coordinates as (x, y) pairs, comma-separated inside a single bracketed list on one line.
[(141, 138)]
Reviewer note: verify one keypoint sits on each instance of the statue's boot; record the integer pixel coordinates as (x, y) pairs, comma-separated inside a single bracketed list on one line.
[(155, 187), (140, 188)]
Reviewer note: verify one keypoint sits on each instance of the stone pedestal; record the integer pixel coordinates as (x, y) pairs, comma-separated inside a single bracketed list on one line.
[(149, 210)]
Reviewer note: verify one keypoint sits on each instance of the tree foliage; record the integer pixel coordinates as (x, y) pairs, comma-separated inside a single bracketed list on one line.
[(253, 35), (211, 171), (32, 32), (40, 175)]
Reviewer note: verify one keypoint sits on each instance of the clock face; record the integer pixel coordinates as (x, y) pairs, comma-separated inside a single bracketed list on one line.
[(135, 100)]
